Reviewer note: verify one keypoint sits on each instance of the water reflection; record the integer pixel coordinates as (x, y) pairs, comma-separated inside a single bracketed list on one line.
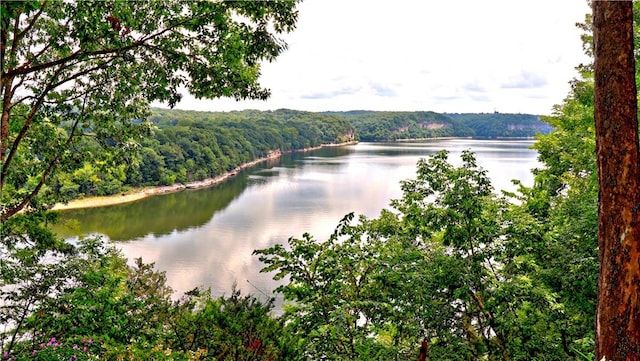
[(160, 215), (206, 237)]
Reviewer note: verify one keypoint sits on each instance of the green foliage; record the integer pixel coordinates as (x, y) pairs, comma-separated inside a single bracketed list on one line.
[(487, 249), (106, 298), (187, 146), (496, 125), (65, 292), (568, 152), (565, 199), (84, 302), (79, 349), (389, 126), (27, 277), (78, 69), (338, 306), (228, 328), (453, 263)]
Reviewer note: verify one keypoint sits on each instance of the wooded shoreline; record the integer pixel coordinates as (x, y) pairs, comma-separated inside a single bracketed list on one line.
[(141, 193)]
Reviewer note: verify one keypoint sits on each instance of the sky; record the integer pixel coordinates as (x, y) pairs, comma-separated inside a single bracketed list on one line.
[(447, 56)]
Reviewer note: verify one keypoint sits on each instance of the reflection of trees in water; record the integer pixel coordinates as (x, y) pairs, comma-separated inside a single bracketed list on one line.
[(166, 213), (159, 215)]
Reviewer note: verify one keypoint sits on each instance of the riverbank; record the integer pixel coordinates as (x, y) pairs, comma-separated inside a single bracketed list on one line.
[(141, 193)]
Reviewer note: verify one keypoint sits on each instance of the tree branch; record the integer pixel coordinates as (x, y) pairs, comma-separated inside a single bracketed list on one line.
[(21, 134), (21, 34), (23, 70), (13, 91), (3, 46), (4, 132), (501, 339), (36, 107), (52, 164), (14, 41), (22, 317)]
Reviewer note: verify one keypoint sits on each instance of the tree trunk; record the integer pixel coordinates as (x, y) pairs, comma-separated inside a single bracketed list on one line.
[(618, 159)]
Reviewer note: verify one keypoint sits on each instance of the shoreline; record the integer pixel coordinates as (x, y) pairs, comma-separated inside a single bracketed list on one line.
[(141, 193), (409, 140)]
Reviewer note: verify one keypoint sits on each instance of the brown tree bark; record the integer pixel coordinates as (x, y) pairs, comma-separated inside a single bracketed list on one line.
[(618, 160)]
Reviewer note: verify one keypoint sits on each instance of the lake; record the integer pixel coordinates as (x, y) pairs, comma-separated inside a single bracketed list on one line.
[(207, 236)]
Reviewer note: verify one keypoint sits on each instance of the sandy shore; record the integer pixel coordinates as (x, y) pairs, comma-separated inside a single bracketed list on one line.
[(91, 202), (135, 195)]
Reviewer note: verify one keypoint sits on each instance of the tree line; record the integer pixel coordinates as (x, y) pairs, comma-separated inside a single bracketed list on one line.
[(374, 126), (495, 125), (187, 146)]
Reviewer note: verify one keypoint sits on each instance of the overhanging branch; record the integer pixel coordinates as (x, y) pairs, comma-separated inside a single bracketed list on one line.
[(43, 178)]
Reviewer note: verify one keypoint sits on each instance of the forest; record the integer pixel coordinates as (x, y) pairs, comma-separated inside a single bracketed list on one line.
[(187, 146), (372, 126), (450, 271), (500, 125)]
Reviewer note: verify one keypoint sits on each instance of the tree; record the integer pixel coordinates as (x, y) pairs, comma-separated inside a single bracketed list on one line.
[(233, 327), (565, 201), (453, 263), (72, 69), (618, 162), (339, 307)]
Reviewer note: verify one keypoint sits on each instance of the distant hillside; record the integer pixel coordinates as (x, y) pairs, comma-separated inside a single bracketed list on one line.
[(492, 125), (372, 126)]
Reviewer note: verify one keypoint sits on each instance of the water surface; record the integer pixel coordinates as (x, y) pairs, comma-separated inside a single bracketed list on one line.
[(207, 236)]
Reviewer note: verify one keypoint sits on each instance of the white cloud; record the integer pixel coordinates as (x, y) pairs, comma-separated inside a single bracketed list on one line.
[(446, 56), (525, 80)]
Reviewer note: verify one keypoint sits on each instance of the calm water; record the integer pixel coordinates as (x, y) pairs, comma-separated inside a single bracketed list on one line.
[(206, 237)]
